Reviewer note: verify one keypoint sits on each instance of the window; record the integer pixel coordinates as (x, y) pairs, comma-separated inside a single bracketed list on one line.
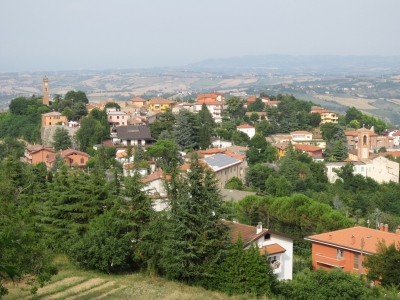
[(110, 117), (355, 261), (339, 253), (82, 161), (364, 140), (362, 169), (117, 117), (123, 117), (267, 237), (355, 169)]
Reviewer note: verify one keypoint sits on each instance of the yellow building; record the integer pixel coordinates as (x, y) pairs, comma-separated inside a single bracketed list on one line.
[(52, 118), (160, 104)]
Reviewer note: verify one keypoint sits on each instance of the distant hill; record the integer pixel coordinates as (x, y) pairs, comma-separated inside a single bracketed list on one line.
[(317, 64)]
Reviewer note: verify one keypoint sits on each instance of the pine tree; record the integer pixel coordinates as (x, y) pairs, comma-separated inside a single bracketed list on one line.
[(196, 234)]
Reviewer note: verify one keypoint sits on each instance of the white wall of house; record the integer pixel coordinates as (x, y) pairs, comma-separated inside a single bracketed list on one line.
[(285, 270), (249, 131), (214, 109), (221, 144), (383, 170), (301, 137)]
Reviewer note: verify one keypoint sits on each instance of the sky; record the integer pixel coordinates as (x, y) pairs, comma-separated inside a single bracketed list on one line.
[(50, 35)]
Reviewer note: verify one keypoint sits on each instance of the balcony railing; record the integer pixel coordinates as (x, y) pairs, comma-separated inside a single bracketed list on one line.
[(330, 261)]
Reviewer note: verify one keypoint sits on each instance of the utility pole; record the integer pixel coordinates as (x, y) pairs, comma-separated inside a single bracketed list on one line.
[(361, 258)]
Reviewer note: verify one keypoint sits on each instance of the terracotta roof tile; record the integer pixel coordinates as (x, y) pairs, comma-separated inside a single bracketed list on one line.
[(245, 126), (272, 249), (307, 148), (155, 176), (161, 101), (351, 238)]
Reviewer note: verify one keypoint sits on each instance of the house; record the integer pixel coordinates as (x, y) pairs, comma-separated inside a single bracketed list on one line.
[(154, 186), (72, 157), (217, 142), (278, 246), (247, 129), (346, 248), (375, 141), (314, 151), (160, 104), (306, 138), (378, 168), (116, 117), (327, 116), (396, 138), (138, 102), (131, 135), (215, 103), (184, 105), (225, 167), (52, 118), (250, 100), (36, 154)]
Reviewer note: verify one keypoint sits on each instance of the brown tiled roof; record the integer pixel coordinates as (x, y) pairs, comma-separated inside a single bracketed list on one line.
[(251, 99), (138, 99), (307, 148), (155, 176), (351, 238), (160, 101), (392, 153), (272, 249), (351, 132), (249, 233), (397, 133), (52, 114), (353, 151), (35, 148), (245, 126), (282, 145), (212, 95), (68, 152)]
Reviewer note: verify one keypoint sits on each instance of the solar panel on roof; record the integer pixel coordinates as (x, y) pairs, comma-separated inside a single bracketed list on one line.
[(220, 160)]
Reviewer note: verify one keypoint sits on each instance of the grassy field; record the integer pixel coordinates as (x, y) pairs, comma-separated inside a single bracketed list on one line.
[(72, 283)]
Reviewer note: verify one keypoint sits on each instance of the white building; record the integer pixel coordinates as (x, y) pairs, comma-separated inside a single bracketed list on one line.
[(396, 138), (247, 129), (278, 246), (217, 142)]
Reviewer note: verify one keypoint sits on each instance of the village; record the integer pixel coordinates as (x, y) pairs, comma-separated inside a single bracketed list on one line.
[(130, 128)]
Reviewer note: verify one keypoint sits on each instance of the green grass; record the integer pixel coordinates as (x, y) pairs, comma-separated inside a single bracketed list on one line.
[(128, 286)]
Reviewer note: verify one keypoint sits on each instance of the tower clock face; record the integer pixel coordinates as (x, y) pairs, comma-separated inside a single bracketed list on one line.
[(45, 84)]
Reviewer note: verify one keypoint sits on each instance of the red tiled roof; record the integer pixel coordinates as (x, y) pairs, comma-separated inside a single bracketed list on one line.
[(307, 148), (252, 99), (351, 238), (161, 101), (69, 151), (245, 126), (392, 153), (138, 99), (155, 176), (351, 132), (272, 249), (397, 133), (35, 148)]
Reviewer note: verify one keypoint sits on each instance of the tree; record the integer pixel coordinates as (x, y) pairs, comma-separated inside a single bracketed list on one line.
[(76, 96), (324, 285), (164, 121), (384, 266), (234, 183), (61, 139), (314, 119), (240, 138), (353, 114), (112, 104), (235, 106), (354, 124), (183, 132), (79, 110), (254, 117), (91, 132), (196, 235), (256, 105), (257, 175)]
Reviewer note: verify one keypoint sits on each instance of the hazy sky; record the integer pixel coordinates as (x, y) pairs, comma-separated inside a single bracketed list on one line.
[(46, 35)]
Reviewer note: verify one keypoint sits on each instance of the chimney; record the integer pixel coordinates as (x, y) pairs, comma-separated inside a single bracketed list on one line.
[(353, 239), (381, 228), (259, 227), (386, 228)]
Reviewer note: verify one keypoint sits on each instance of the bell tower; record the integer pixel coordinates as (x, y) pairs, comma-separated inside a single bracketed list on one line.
[(363, 143), (46, 91)]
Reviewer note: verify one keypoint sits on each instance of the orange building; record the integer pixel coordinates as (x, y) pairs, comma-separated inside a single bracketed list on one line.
[(52, 118), (36, 154), (73, 158), (347, 248)]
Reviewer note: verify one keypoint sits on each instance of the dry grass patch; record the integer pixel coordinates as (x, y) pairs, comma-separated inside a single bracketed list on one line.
[(358, 103)]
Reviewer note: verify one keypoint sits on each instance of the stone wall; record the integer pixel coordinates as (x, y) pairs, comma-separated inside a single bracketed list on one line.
[(47, 133)]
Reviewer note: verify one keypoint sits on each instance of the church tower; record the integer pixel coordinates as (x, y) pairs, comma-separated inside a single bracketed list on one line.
[(363, 143), (46, 91)]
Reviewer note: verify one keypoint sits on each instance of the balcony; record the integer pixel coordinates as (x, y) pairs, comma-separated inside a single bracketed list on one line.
[(338, 262)]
